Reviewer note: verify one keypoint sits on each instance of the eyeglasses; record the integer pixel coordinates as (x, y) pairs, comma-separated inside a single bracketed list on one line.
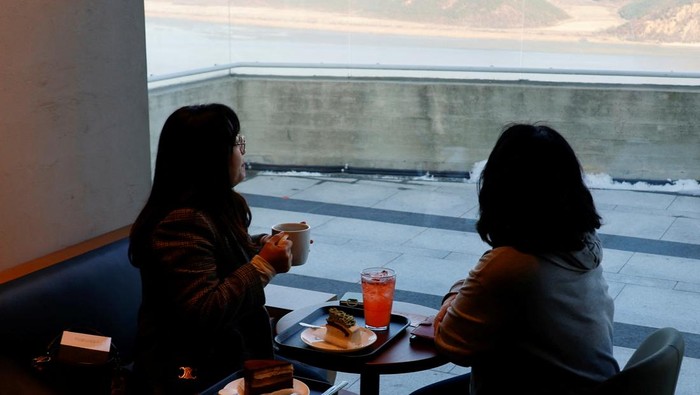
[(240, 141)]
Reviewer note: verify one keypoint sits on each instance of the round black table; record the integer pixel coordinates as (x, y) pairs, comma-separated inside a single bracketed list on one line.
[(400, 356)]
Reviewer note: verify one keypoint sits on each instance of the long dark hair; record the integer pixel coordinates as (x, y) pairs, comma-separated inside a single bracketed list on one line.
[(192, 170), (532, 195)]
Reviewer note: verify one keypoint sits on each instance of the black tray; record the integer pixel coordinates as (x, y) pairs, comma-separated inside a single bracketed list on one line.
[(289, 343)]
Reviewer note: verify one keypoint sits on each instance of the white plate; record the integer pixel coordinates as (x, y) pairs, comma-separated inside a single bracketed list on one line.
[(237, 387), (314, 338)]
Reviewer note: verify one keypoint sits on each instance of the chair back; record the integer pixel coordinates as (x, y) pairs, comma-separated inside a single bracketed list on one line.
[(652, 369)]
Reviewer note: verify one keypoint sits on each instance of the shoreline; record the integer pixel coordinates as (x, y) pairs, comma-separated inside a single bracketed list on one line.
[(325, 21)]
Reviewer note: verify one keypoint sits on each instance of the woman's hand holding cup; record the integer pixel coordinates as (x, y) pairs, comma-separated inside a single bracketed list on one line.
[(277, 251), (300, 234)]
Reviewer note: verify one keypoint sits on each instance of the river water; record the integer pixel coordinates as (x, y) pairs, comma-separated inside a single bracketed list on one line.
[(174, 46)]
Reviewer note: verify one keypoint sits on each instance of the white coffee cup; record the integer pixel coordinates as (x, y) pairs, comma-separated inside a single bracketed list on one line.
[(300, 235)]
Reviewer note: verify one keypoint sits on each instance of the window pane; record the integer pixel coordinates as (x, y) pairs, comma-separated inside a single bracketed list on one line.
[(576, 40)]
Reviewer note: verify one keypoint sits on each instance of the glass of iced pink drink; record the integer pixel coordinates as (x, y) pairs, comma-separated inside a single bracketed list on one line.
[(378, 286)]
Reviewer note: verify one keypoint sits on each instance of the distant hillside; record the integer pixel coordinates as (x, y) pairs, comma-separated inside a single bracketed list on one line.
[(661, 21), (637, 9), (473, 13), (672, 21)]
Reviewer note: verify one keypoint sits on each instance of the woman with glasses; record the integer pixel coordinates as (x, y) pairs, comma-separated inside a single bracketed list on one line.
[(534, 315), (203, 275)]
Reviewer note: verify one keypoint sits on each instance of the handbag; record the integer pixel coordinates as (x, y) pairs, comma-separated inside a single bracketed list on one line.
[(79, 372)]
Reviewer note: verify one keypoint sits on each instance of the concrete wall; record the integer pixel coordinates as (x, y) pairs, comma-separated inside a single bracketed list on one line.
[(74, 154), (628, 132)]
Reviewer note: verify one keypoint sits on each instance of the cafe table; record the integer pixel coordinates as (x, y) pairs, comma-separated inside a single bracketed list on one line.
[(315, 387), (399, 356)]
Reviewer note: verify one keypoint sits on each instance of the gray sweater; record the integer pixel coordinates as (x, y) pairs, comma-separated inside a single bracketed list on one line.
[(532, 324)]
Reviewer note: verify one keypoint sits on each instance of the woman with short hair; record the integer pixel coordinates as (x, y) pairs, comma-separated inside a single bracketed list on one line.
[(534, 315)]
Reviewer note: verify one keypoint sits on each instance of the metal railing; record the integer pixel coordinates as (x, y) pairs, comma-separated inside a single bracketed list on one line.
[(232, 67)]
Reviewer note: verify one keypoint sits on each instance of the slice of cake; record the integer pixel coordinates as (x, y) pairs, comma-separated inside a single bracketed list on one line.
[(263, 376), (341, 329)]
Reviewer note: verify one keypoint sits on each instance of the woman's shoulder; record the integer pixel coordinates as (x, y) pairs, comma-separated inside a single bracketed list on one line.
[(188, 220), (508, 255), (506, 264), (186, 213)]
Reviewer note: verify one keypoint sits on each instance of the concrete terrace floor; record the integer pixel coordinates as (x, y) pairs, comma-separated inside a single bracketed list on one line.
[(424, 230)]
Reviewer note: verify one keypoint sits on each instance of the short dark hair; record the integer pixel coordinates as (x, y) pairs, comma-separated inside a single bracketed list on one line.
[(532, 195)]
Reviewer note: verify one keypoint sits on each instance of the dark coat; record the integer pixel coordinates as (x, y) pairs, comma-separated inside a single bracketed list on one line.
[(203, 303)]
